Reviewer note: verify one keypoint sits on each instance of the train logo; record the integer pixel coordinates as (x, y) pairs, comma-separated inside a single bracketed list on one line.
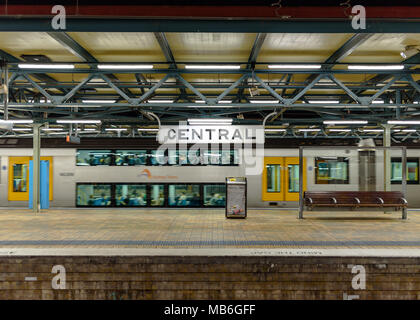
[(146, 172)]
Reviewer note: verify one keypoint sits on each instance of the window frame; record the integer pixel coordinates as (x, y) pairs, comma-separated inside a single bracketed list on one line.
[(148, 194), (409, 159), (335, 181)]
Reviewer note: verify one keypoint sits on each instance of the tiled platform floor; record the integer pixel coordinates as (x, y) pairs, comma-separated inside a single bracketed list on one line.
[(206, 228)]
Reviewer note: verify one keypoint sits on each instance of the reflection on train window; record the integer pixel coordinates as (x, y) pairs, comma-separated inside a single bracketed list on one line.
[(181, 195), (172, 157), (293, 172), (94, 195), (157, 157), (212, 157), (130, 157), (332, 170), (131, 195), (94, 157), (412, 171), (194, 157), (273, 177), (20, 177), (215, 195), (157, 195)]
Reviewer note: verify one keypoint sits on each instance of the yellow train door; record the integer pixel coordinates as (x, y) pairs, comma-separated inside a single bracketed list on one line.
[(280, 179), (19, 178)]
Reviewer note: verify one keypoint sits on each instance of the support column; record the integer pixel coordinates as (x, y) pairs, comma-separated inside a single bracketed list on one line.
[(6, 92), (387, 157), (301, 205), (36, 167)]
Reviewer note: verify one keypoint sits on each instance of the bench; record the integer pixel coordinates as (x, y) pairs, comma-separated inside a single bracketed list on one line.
[(355, 199)]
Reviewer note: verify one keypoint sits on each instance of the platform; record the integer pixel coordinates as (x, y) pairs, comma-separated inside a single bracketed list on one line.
[(199, 228)]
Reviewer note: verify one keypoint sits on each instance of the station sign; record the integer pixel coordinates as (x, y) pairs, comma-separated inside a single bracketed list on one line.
[(211, 134)]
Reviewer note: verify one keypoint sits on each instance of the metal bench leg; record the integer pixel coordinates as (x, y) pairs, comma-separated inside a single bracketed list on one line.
[(404, 213)]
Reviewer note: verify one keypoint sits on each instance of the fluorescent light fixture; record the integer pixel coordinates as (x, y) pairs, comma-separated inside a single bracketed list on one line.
[(373, 130), (145, 129), (264, 101), (405, 130), (79, 121), (87, 129), (309, 130), (210, 121), (378, 101), (21, 129), (125, 66), (339, 130), (345, 122), (294, 66), (45, 66), (204, 106), (212, 67), (17, 121), (99, 101), (274, 130), (324, 101), (160, 101), (375, 67), (404, 122), (221, 101), (115, 129)]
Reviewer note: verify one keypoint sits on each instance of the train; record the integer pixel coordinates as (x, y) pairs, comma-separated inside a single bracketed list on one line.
[(125, 174)]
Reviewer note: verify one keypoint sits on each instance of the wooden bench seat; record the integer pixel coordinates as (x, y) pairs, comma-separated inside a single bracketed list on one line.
[(355, 199)]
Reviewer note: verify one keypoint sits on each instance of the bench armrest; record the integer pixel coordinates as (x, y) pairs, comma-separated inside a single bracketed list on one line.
[(403, 200), (310, 200), (357, 200), (381, 200), (334, 200)]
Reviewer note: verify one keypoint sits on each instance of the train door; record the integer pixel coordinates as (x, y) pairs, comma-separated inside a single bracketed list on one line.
[(280, 180), (19, 178)]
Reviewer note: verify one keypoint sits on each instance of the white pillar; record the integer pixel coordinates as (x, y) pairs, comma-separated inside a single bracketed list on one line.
[(36, 159), (387, 157)]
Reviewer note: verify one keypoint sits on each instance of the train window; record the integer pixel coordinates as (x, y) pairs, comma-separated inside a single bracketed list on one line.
[(172, 157), (184, 195), (93, 195), (157, 195), (94, 157), (331, 170), (157, 157), (130, 195), (293, 178), (130, 157), (20, 177), (214, 195), (273, 177), (412, 171)]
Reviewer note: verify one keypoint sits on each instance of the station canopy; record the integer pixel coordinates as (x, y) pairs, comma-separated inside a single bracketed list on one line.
[(306, 84)]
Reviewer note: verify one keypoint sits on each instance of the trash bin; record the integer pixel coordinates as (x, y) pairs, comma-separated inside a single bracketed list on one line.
[(236, 197)]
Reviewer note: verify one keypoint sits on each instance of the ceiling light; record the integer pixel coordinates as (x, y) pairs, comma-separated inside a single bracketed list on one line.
[(115, 129), (209, 106), (323, 101), (274, 130), (264, 101), (125, 66), (294, 66), (160, 101), (99, 101), (345, 122), (45, 66), (378, 101), (145, 129), (309, 130), (221, 101), (403, 122), (339, 130), (373, 130), (22, 129), (375, 67), (213, 67), (210, 121), (79, 121), (17, 121)]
